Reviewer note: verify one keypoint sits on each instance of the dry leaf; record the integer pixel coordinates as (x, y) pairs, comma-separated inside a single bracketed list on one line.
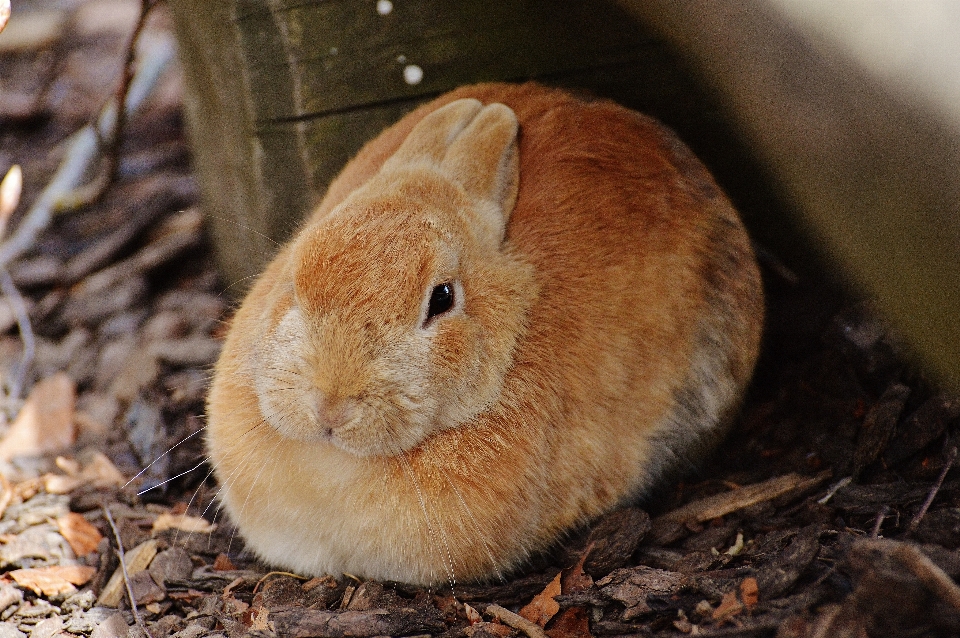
[(749, 592), (572, 623), (543, 607), (54, 580), (45, 422), (574, 579), (80, 533), (184, 523), (729, 607), (222, 563)]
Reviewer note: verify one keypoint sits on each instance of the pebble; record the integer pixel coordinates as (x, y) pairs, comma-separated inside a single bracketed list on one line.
[(9, 630)]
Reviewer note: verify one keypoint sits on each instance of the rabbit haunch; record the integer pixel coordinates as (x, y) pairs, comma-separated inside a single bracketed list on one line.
[(605, 318)]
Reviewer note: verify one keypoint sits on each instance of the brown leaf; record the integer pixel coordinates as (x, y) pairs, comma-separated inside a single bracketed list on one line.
[(222, 563), (54, 580), (82, 536), (729, 607), (749, 592), (543, 607), (574, 579), (572, 623), (45, 422)]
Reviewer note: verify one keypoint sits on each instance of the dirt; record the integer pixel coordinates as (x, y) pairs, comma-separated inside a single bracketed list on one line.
[(811, 519)]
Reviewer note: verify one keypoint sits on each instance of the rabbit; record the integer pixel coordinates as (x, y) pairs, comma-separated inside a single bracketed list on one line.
[(514, 310)]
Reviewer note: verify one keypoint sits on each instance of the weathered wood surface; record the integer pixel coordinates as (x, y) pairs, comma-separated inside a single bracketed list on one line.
[(282, 94)]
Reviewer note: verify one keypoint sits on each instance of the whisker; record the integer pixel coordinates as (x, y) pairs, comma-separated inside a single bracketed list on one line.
[(140, 473), (448, 558), (476, 526), (172, 478)]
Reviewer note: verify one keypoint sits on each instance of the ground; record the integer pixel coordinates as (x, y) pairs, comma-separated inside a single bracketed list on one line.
[(814, 518)]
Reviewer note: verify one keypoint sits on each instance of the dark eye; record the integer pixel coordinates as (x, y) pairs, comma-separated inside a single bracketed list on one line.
[(441, 300)]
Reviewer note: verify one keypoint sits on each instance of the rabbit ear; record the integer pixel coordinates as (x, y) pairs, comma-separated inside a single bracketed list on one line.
[(431, 137), (483, 159), (474, 145)]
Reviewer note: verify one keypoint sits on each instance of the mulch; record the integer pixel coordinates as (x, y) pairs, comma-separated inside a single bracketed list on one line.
[(829, 511)]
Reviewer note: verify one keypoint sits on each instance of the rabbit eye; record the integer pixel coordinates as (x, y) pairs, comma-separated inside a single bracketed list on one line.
[(441, 300)]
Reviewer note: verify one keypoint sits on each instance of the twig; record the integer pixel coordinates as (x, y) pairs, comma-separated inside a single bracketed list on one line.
[(881, 516), (82, 153), (123, 568), (951, 457), (836, 487), (10, 189), (19, 307), (516, 621), (108, 141)]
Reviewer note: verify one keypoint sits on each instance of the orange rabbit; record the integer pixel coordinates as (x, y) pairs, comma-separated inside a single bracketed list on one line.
[(513, 311)]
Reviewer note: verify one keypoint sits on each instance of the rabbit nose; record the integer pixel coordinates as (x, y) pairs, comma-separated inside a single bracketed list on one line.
[(331, 411)]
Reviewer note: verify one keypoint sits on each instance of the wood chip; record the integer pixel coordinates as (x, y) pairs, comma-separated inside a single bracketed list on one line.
[(184, 523), (137, 560)]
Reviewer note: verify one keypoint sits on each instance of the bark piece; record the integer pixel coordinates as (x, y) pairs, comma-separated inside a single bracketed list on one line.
[(665, 528), (308, 623), (878, 426), (631, 586), (614, 540)]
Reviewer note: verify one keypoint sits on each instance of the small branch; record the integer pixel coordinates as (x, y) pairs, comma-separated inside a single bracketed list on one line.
[(836, 487), (878, 523), (82, 154), (108, 141), (123, 568), (516, 621), (10, 189), (951, 457)]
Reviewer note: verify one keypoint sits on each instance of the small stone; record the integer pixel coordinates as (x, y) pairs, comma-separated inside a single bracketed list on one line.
[(47, 628), (171, 564), (9, 630), (81, 601), (42, 542), (113, 627), (193, 630), (145, 590)]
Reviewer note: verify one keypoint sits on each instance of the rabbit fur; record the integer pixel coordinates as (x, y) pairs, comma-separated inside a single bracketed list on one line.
[(605, 319)]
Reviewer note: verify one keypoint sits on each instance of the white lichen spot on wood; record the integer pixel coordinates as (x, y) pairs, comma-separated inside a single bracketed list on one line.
[(402, 59), (412, 74), (384, 7)]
